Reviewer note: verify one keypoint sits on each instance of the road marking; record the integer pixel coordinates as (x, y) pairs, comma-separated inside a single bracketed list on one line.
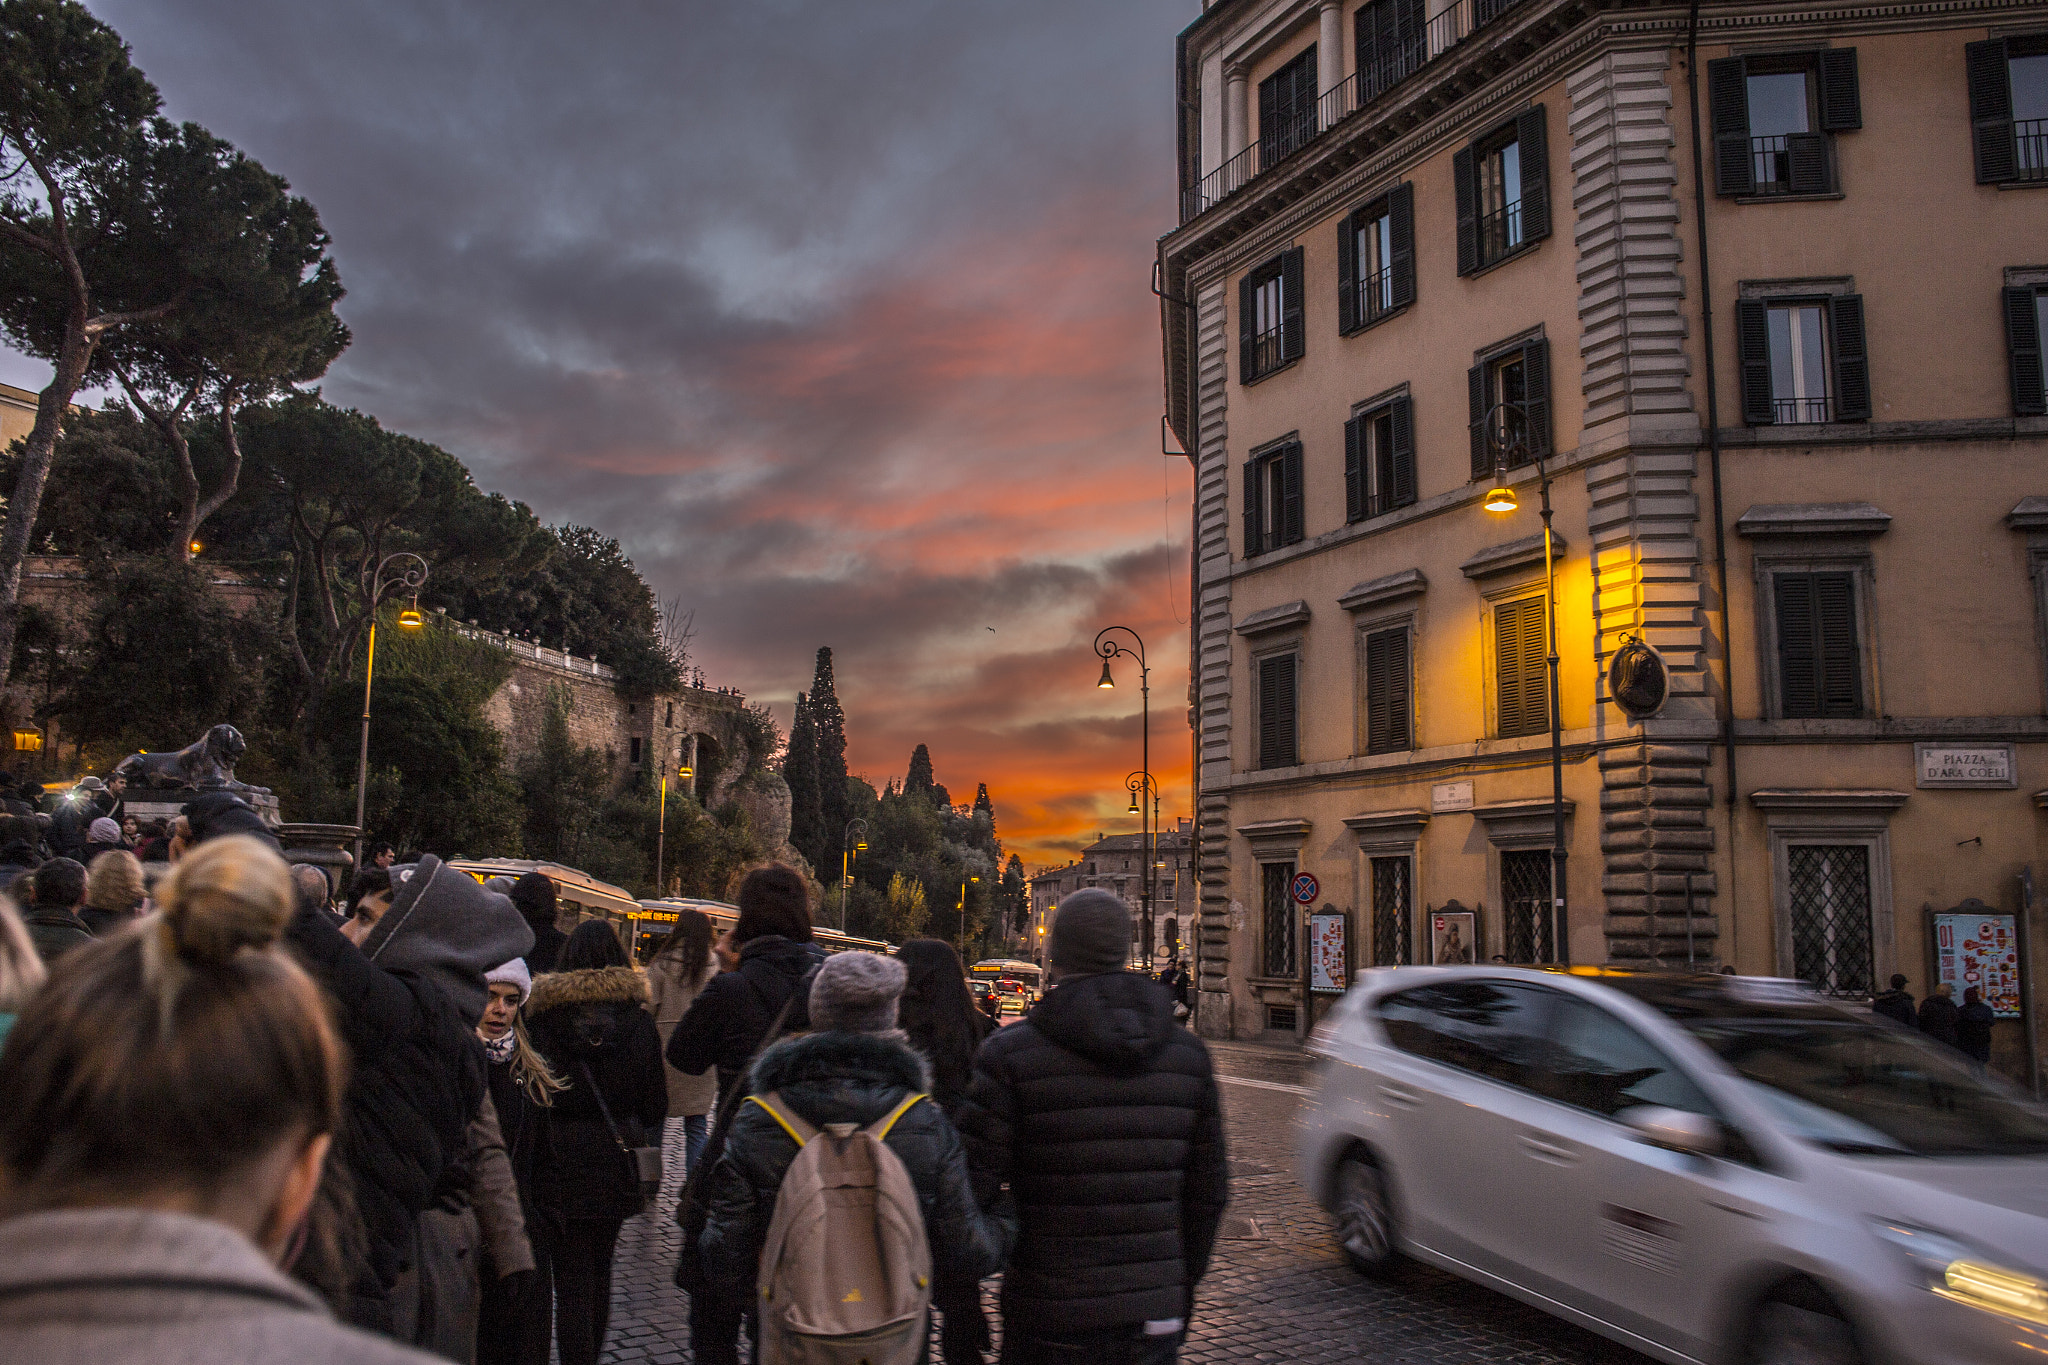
[(1264, 1085)]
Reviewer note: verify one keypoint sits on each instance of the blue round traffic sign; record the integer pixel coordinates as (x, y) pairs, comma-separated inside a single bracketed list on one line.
[(1306, 887)]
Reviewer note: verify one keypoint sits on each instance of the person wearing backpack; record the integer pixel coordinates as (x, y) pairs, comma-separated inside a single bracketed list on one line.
[(846, 1104)]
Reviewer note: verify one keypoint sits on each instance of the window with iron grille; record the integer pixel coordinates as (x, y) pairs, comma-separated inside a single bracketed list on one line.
[(1277, 720), (1287, 109), (2008, 85), (1270, 330), (1273, 514), (1830, 914), (1503, 191), (1774, 119), (1392, 912), (1376, 260), (1819, 666), (1389, 691), (2026, 323), (1379, 460), (1521, 654), (1510, 407), (1526, 900), (1276, 887), (1393, 44), (1803, 360)]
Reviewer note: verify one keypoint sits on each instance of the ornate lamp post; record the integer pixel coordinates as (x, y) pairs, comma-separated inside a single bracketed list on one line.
[(963, 914), (1507, 431), (1138, 784), (408, 619), (848, 849), (1109, 649)]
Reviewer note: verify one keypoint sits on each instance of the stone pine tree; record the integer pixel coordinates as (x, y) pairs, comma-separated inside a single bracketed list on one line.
[(829, 721), (800, 771)]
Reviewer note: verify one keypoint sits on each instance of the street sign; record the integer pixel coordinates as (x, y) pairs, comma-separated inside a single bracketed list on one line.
[(1306, 887), (1326, 954)]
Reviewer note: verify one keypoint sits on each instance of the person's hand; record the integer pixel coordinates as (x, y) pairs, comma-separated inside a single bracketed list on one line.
[(727, 954)]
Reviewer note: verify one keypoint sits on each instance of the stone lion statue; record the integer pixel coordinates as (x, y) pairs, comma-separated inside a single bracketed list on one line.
[(208, 761)]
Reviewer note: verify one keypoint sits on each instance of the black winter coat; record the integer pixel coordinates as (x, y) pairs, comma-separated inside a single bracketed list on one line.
[(1896, 1005), (1101, 1115), (417, 1076), (593, 1027), (1938, 1016), (519, 1123), (843, 1078), (1973, 1029), (725, 1024)]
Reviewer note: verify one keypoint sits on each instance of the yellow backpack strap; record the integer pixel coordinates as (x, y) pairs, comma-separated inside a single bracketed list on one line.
[(881, 1128), (799, 1131)]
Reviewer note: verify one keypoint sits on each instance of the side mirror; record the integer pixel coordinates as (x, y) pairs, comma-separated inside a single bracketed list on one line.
[(1674, 1129)]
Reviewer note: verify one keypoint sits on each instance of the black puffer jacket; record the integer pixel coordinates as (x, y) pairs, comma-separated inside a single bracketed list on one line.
[(1100, 1114), (843, 1078), (725, 1024), (218, 813), (593, 1027)]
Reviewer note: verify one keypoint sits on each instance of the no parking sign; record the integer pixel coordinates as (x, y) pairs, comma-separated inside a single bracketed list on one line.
[(1306, 888)]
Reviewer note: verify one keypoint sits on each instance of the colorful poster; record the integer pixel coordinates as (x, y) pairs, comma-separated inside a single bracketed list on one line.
[(1326, 954), (1981, 951)]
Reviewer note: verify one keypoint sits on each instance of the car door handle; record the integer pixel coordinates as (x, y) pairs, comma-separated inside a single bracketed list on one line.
[(1550, 1151), (1401, 1095)]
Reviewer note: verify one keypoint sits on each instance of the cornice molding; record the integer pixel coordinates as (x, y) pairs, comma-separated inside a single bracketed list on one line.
[(1827, 798), (1282, 617), (1377, 592)]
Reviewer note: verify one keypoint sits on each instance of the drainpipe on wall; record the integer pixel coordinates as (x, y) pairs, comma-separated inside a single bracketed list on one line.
[(1699, 194)]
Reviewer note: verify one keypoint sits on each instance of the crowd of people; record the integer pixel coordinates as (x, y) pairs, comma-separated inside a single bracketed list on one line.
[(1965, 1027), (249, 1119)]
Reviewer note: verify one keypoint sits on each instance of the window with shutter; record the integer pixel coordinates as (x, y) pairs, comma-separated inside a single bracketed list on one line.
[(1379, 459), (1270, 333), (1392, 45), (1273, 500), (1774, 116), (1293, 333), (1851, 357), (2008, 89), (1510, 399), (1387, 691), (1819, 666), (2026, 319), (1287, 109), (1277, 730), (1376, 259), (1521, 681), (1803, 360)]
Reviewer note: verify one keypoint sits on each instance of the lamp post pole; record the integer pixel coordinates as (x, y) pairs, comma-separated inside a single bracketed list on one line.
[(846, 852), (410, 580), (1109, 649), (1141, 785)]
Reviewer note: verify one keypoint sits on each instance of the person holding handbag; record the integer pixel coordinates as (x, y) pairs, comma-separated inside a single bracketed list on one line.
[(588, 1020)]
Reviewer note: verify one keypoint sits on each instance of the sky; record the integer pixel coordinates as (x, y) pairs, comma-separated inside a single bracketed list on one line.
[(836, 315)]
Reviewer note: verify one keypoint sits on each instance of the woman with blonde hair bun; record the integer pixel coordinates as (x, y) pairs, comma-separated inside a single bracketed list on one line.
[(21, 967), (172, 1091), (113, 891)]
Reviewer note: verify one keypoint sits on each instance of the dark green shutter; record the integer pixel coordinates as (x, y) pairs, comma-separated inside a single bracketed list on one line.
[(1807, 155), (1293, 339), (1834, 599), (1753, 360), (1728, 94), (1535, 157), (1402, 489), (1536, 376), (1290, 495), (1253, 518), (1819, 672), (1852, 358), (1247, 329), (1354, 469), (1349, 313), (1841, 103), (1798, 648), (1401, 235), (1386, 691), (1276, 712), (2023, 352), (1467, 185), (1519, 667), (1482, 457), (1991, 132)]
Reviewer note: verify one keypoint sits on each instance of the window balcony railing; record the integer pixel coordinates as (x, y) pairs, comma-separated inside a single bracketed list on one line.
[(1267, 353), (1379, 504), (2030, 142), (1796, 411), (1373, 296), (1790, 163), (1443, 31), (1500, 232)]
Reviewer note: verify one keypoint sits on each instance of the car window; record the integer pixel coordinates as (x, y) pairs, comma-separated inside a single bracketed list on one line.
[(1491, 1028), (1600, 1062)]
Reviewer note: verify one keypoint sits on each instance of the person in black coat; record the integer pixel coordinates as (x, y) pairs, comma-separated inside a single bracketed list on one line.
[(213, 814), (1101, 1115), (1973, 1025), (1938, 1015), (589, 1020), (1896, 1004), (853, 1068), (534, 895)]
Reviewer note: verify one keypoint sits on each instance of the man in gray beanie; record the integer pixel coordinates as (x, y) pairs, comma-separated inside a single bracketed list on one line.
[(1101, 1115)]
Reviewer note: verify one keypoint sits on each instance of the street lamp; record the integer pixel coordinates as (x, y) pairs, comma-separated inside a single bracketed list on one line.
[(847, 849), (1109, 649), (963, 914), (1138, 784), (409, 619), (683, 774), (1507, 431)]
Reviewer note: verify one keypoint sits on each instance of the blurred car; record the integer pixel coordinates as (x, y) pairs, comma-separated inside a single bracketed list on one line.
[(1704, 1168), (986, 999)]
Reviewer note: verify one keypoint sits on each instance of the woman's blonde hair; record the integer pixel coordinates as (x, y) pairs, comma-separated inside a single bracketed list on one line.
[(172, 1054), (21, 967), (114, 881), (530, 1070)]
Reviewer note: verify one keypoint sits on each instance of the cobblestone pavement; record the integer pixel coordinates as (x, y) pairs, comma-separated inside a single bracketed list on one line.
[(1278, 1288)]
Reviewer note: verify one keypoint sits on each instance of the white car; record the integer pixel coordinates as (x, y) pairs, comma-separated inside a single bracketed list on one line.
[(1705, 1168)]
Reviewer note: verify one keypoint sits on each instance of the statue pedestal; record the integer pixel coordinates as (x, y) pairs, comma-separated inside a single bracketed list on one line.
[(326, 847), (167, 803)]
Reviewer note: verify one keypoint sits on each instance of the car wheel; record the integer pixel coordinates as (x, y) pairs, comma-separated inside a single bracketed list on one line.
[(1365, 1215), (1788, 1334)]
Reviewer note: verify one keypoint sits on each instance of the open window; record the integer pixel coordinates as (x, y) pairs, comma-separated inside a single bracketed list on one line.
[(1774, 119)]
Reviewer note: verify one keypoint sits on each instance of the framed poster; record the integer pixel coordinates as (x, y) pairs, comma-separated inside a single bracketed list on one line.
[(1326, 953), (1981, 950), (1453, 937)]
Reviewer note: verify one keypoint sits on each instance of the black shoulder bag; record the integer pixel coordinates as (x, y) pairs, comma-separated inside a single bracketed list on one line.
[(639, 1166)]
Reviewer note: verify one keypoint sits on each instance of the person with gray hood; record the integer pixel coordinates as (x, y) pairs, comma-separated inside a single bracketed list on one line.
[(1100, 1114), (408, 990)]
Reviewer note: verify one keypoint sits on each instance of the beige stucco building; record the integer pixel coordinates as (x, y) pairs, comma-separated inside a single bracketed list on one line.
[(1794, 428)]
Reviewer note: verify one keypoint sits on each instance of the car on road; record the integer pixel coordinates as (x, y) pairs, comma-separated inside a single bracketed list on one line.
[(1704, 1168)]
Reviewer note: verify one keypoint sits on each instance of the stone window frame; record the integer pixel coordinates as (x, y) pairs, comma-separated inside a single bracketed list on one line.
[(1363, 626), (1523, 826), (1514, 591), (1833, 817), (1293, 642), (1269, 841), (1826, 555), (1386, 834)]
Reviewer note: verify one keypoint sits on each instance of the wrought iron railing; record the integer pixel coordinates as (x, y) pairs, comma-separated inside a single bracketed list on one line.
[(1790, 411), (1391, 943), (1444, 30), (2030, 144), (1377, 504), (1500, 232), (1267, 351), (1373, 295)]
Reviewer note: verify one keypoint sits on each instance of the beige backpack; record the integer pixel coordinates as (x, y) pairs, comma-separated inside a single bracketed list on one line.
[(846, 1272)]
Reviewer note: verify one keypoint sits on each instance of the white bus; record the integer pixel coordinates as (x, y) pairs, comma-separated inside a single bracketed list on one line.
[(1018, 984)]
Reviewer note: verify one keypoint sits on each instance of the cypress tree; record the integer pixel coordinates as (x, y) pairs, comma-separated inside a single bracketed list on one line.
[(829, 722), (800, 771), (918, 781)]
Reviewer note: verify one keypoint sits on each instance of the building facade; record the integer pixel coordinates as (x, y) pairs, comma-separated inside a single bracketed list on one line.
[(1116, 862), (1763, 287)]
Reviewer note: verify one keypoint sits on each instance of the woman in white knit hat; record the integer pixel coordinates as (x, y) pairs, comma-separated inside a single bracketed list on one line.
[(516, 1321)]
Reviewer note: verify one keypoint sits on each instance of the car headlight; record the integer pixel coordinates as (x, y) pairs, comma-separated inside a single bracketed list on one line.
[(1959, 1272)]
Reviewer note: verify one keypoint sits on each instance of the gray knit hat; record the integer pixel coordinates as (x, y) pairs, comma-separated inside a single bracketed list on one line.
[(1091, 933), (857, 993)]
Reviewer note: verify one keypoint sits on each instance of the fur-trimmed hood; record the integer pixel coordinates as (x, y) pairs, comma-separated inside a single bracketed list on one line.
[(836, 1077), (590, 986)]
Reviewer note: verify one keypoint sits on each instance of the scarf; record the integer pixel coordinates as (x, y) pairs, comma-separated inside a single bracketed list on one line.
[(500, 1049)]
